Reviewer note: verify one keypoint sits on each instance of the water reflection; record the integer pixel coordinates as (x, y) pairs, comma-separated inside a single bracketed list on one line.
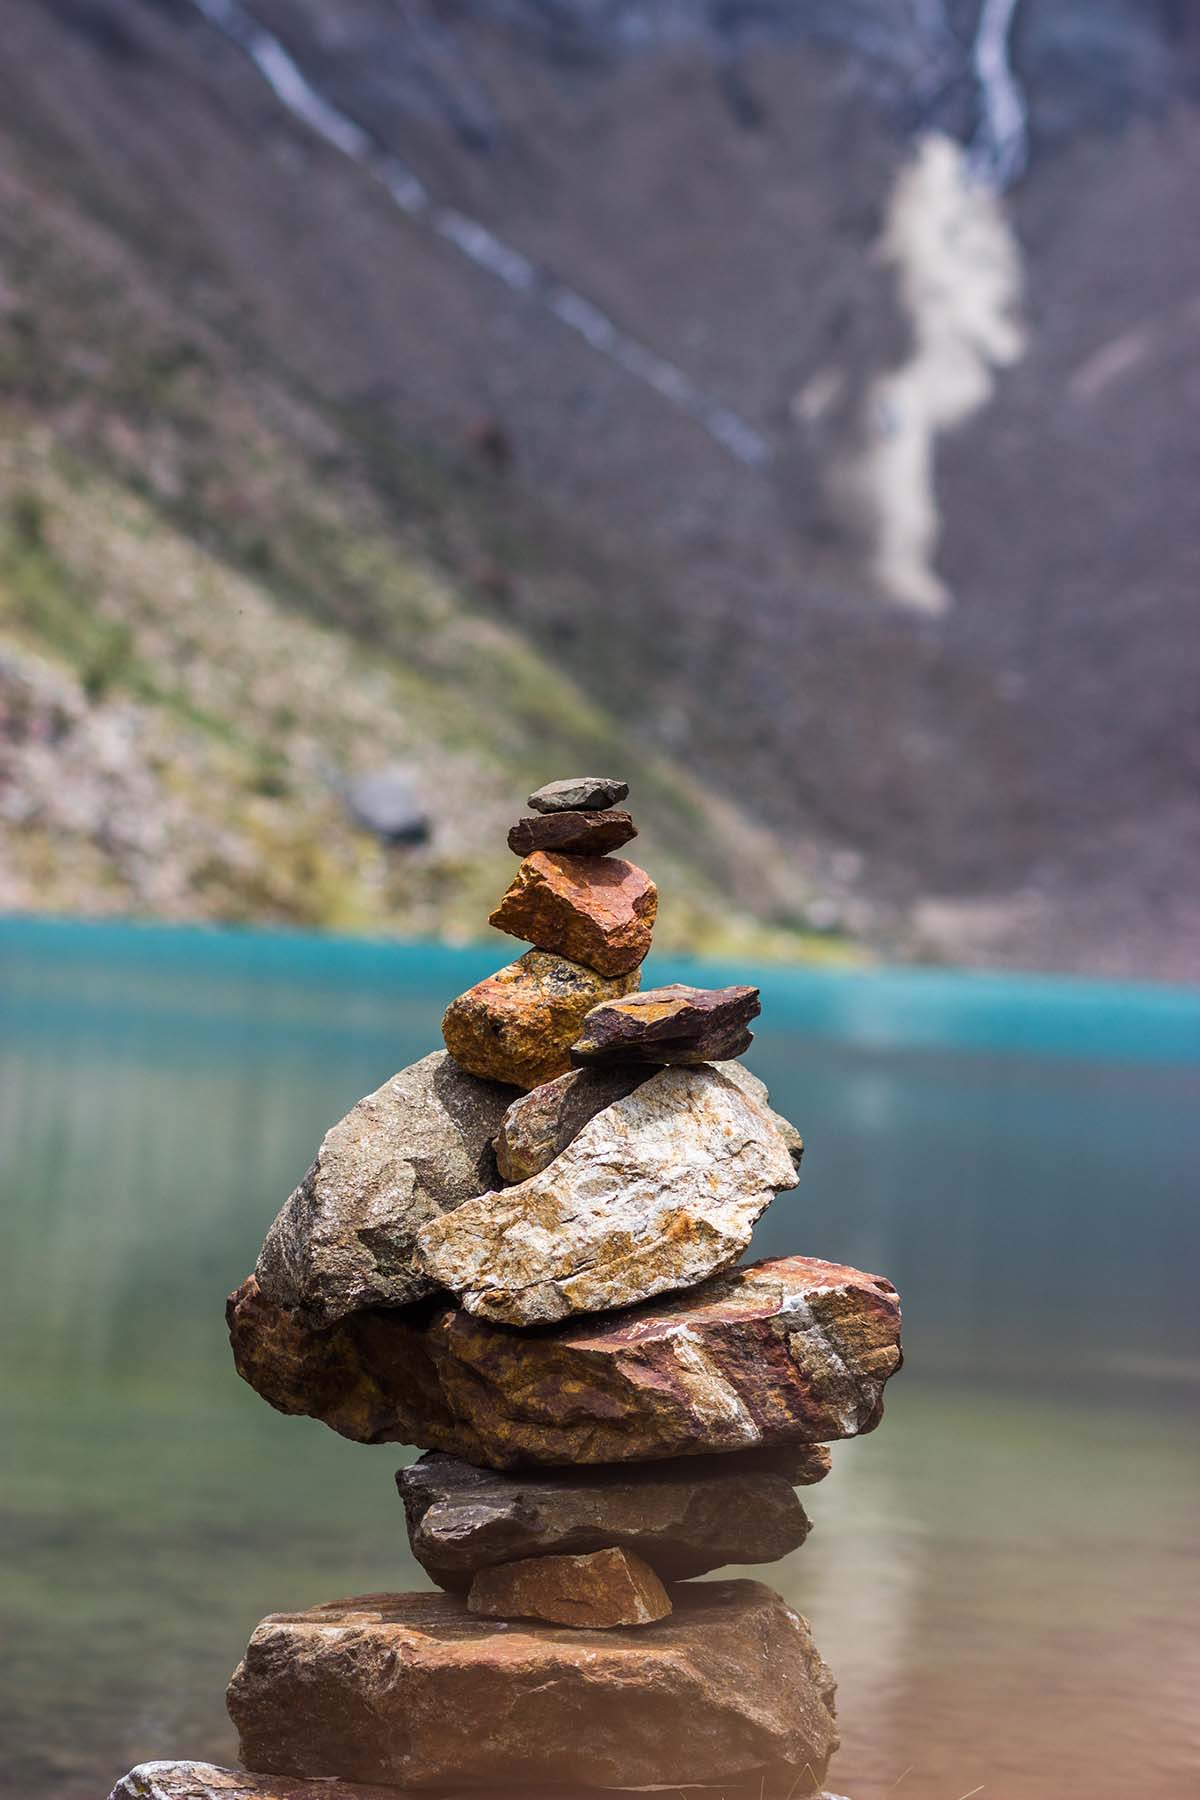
[(1003, 1577)]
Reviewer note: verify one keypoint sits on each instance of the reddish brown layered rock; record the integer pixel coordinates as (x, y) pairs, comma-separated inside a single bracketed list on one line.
[(518, 1025), (204, 1781), (589, 833), (596, 910), (675, 1024), (410, 1690), (683, 1518), (793, 1351), (596, 1591)]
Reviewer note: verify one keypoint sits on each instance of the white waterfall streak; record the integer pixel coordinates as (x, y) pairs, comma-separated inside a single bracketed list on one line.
[(476, 242), (958, 274), (1001, 147)]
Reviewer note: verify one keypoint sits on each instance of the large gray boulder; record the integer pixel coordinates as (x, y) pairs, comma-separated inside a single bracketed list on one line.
[(659, 1191), (416, 1148)]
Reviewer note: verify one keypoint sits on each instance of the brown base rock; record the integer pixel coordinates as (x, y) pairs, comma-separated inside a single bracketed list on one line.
[(409, 1690)]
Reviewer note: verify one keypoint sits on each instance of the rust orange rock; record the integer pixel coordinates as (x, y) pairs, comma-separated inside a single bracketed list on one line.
[(596, 910), (596, 1591)]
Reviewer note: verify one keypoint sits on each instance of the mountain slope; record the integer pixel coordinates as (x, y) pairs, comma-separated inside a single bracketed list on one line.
[(1008, 778), (209, 624)]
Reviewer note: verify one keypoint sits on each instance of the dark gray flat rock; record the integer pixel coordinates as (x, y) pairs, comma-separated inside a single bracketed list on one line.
[(684, 1519), (580, 793), (581, 833)]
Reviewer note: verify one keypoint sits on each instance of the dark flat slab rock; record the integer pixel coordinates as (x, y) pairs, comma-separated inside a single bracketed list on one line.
[(684, 1518), (579, 793), (584, 833), (412, 1690), (677, 1024)]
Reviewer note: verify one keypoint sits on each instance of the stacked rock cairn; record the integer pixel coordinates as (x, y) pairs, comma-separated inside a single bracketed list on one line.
[(522, 1255)]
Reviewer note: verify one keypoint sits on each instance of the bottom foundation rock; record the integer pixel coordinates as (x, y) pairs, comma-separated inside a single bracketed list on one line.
[(409, 1690)]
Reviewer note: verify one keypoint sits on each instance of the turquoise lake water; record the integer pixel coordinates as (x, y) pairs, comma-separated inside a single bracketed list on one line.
[(1005, 1577)]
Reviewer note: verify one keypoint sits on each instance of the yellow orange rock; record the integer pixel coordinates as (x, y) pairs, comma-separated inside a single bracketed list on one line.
[(518, 1025)]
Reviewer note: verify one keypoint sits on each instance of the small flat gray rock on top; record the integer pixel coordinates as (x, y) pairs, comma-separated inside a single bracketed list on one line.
[(581, 793), (417, 1147), (684, 1518), (659, 1191)]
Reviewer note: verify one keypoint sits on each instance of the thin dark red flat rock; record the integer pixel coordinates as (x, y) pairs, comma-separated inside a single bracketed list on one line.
[(669, 1025)]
